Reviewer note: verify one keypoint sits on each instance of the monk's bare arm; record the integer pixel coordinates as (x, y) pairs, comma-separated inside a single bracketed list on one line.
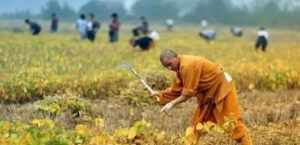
[(173, 103), (179, 100)]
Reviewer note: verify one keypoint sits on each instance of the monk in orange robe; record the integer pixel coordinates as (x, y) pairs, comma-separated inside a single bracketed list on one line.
[(215, 93)]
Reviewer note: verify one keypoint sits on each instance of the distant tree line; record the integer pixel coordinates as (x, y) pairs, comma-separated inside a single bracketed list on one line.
[(222, 11), (216, 11)]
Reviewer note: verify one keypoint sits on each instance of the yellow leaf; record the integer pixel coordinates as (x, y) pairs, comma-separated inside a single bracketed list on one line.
[(99, 122), (26, 139), (190, 136), (218, 129), (199, 126), (43, 123), (99, 140), (251, 86), (82, 130), (121, 132), (189, 131), (210, 124), (132, 133), (161, 135)]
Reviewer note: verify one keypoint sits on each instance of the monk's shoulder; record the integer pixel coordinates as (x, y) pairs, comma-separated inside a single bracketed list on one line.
[(190, 60), (190, 64)]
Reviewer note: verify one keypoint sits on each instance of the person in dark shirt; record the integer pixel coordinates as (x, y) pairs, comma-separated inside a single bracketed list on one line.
[(136, 32), (92, 28), (144, 42), (208, 35), (54, 23), (144, 26), (114, 28), (236, 31), (35, 28)]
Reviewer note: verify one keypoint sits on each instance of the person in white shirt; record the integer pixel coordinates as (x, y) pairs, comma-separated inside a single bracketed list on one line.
[(204, 23), (81, 26), (170, 24), (262, 39)]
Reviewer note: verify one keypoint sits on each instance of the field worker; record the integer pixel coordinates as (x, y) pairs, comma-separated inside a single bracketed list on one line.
[(204, 23), (144, 25), (262, 39), (236, 31), (154, 35), (54, 23), (114, 27), (92, 27), (81, 26), (210, 85), (35, 28), (170, 24), (136, 32), (208, 35), (145, 42)]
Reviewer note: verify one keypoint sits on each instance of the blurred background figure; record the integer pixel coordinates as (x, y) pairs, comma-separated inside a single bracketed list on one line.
[(262, 39), (204, 24), (35, 28), (114, 28), (144, 41), (92, 27), (81, 26), (236, 31), (170, 24), (154, 35), (144, 25), (208, 35), (54, 23), (136, 32)]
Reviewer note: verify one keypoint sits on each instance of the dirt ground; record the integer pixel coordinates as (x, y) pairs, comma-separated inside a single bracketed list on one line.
[(268, 115)]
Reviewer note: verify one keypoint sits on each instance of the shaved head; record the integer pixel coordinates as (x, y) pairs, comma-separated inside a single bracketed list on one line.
[(169, 59), (167, 54)]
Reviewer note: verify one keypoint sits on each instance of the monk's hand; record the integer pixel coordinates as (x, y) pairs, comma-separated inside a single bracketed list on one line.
[(155, 93), (167, 107)]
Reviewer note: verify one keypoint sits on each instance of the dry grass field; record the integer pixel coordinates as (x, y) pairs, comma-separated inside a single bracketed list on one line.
[(58, 90)]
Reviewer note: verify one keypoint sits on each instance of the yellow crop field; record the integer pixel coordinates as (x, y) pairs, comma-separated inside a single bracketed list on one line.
[(58, 90)]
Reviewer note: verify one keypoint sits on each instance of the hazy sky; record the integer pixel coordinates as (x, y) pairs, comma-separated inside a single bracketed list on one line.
[(35, 5)]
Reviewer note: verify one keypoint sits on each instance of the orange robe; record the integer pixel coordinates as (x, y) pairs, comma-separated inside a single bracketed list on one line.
[(200, 78)]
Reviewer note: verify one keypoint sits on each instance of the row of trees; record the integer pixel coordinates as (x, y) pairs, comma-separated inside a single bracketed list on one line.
[(218, 11), (224, 11)]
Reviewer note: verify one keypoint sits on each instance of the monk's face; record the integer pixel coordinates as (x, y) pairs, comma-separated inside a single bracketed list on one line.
[(171, 64)]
